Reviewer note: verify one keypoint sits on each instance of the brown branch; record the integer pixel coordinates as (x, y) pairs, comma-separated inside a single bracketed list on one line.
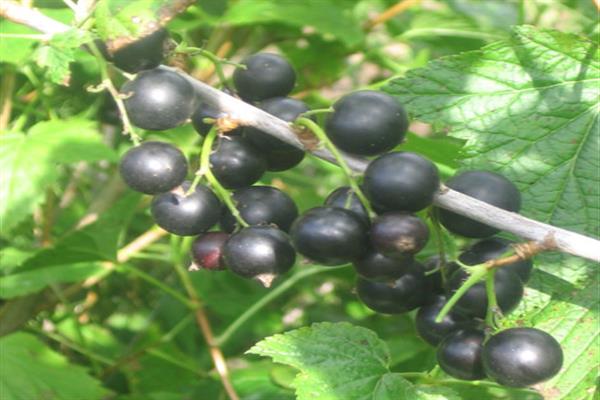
[(30, 17), (523, 251), (390, 13)]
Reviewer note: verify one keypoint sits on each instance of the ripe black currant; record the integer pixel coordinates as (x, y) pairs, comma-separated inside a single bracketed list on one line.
[(486, 186), (259, 252), (236, 163), (459, 354), (153, 167), (282, 160), (507, 286), (398, 234), (207, 250), (367, 123), (159, 99), (144, 53), (377, 267), (330, 236), (344, 197), (492, 248), (186, 215), (261, 205), (401, 181), (403, 294), (266, 75), (520, 357), (434, 332)]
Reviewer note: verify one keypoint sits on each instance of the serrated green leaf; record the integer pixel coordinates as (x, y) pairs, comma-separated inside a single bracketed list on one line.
[(60, 53), (121, 22), (337, 361), (29, 163), (332, 18), (30, 370)]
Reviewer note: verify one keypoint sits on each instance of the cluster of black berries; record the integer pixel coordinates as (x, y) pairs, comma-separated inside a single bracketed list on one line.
[(382, 249)]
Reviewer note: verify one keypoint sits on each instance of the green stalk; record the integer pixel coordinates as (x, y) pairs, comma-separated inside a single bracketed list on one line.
[(316, 129), (477, 273), (491, 297)]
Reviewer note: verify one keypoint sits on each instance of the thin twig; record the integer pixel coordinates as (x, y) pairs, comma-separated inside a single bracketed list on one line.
[(390, 13)]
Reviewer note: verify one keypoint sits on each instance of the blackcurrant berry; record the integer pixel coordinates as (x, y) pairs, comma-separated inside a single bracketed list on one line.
[(236, 163), (330, 236), (261, 205), (377, 267), (434, 279), (159, 99), (287, 109), (520, 357), (403, 294), (186, 215), (459, 354), (266, 75), (492, 248), (401, 181), (507, 286), (260, 252), (486, 186), (153, 167), (344, 197), (207, 250), (367, 123), (145, 53), (399, 234), (434, 332)]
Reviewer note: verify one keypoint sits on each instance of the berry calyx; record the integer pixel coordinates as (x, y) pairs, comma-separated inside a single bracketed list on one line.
[(266, 75), (521, 357), (459, 354), (158, 99), (401, 181), (186, 215), (207, 250), (259, 252), (399, 234), (236, 163), (153, 167), (486, 186), (367, 123), (434, 332), (330, 236), (261, 205)]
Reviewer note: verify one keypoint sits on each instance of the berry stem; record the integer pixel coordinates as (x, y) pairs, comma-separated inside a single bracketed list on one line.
[(492, 300), (205, 170), (316, 111), (476, 274), (316, 129), (439, 241)]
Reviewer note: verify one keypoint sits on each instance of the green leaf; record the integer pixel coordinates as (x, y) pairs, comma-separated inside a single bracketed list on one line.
[(59, 53), (15, 50), (330, 18), (29, 163), (337, 361), (30, 370), (120, 23)]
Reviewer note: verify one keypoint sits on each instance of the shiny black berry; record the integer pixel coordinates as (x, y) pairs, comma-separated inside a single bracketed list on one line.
[(266, 75), (459, 354), (261, 205), (367, 123), (401, 181), (282, 160), (377, 267), (344, 197), (330, 236), (207, 250), (486, 186), (398, 234), (159, 99), (493, 248), (403, 294), (186, 215), (145, 53), (153, 167), (259, 252), (521, 357), (507, 286), (236, 163), (434, 332)]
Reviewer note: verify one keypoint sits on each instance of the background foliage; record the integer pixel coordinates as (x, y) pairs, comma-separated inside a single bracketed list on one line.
[(510, 86)]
